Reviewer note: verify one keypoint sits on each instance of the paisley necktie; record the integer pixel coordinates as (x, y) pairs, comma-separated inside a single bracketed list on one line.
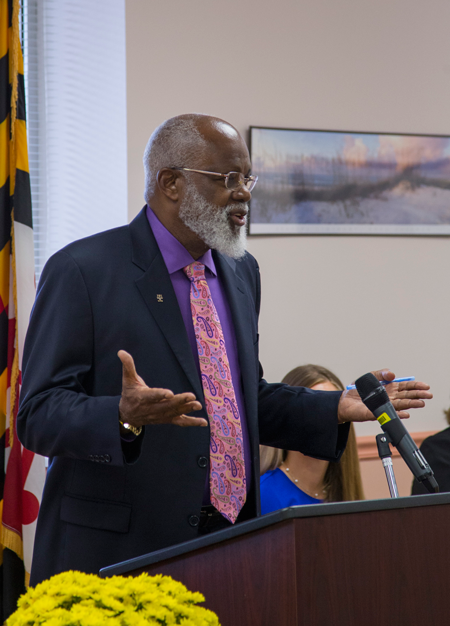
[(226, 468)]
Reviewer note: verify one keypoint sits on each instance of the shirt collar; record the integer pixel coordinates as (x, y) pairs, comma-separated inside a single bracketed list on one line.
[(174, 253)]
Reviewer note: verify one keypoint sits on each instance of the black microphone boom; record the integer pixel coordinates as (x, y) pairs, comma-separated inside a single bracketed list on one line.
[(376, 399)]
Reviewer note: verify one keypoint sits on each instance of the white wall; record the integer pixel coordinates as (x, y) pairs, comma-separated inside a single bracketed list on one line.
[(350, 303)]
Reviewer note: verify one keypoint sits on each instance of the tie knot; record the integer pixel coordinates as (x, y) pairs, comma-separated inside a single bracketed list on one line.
[(195, 271)]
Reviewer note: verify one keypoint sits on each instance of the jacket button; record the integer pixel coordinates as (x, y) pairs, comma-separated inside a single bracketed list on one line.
[(194, 520), (91, 457), (202, 461), (107, 458)]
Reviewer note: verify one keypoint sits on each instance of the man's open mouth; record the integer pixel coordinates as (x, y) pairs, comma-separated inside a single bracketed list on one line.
[(238, 216)]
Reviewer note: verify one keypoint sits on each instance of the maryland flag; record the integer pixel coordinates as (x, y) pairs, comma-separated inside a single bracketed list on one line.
[(21, 472)]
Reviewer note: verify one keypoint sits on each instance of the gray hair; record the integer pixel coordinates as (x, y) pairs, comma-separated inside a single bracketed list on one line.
[(177, 142)]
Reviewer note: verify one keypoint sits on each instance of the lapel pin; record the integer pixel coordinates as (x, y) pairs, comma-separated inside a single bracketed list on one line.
[(159, 297)]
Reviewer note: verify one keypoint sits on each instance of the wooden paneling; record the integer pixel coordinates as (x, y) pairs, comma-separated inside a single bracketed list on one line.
[(372, 472), (389, 567), (367, 446), (362, 564), (249, 580)]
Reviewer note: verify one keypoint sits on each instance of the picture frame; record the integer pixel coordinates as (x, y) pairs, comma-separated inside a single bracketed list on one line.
[(349, 183)]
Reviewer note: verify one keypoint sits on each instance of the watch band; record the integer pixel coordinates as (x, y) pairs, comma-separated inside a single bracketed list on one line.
[(136, 430)]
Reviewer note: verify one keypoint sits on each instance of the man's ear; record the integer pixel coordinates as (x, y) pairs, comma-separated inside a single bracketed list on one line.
[(170, 183)]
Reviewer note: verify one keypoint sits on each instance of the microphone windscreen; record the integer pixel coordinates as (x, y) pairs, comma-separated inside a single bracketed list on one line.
[(366, 384), (372, 392)]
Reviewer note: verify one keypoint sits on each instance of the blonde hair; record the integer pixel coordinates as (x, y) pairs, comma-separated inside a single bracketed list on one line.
[(447, 415), (342, 479)]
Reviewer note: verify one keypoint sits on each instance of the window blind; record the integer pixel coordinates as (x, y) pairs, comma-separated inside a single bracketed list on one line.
[(74, 55)]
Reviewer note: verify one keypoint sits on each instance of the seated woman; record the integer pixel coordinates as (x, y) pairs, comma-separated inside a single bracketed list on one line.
[(290, 478)]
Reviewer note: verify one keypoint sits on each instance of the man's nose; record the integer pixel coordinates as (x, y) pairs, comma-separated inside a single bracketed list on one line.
[(241, 193)]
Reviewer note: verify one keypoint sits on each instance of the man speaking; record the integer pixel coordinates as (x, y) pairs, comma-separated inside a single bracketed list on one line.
[(161, 445)]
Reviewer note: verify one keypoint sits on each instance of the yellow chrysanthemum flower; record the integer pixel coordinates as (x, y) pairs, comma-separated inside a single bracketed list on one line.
[(78, 599)]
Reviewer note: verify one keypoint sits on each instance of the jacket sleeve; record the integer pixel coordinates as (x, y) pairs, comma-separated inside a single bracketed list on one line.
[(296, 418), (57, 416)]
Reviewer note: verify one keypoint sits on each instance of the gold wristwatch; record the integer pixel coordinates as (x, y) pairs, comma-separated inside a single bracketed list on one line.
[(136, 430)]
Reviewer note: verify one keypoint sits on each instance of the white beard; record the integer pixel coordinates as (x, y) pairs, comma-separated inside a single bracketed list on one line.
[(212, 224)]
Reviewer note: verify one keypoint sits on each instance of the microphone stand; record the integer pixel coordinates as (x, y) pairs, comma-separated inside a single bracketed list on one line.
[(385, 454)]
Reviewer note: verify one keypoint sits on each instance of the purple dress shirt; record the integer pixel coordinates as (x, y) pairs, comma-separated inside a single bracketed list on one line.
[(176, 257)]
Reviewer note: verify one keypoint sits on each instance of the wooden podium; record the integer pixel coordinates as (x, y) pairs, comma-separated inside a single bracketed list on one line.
[(371, 563)]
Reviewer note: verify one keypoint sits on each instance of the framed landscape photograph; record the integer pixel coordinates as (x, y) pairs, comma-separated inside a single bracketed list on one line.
[(336, 182)]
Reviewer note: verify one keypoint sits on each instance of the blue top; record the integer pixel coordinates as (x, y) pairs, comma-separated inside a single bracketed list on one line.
[(279, 492)]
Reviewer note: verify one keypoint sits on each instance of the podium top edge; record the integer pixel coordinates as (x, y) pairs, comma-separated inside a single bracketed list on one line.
[(295, 512)]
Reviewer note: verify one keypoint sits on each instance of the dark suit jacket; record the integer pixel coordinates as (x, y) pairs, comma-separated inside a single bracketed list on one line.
[(106, 501), (436, 450)]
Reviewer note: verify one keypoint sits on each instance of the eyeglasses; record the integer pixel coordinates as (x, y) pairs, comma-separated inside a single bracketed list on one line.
[(233, 180)]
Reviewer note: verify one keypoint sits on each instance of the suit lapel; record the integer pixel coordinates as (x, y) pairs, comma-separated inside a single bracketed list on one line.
[(157, 291)]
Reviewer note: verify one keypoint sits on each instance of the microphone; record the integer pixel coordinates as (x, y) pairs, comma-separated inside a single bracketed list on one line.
[(376, 399)]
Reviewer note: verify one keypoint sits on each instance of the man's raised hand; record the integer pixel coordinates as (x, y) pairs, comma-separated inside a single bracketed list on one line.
[(404, 396), (141, 405)]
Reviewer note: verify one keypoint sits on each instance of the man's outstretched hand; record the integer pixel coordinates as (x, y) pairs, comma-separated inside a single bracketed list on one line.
[(141, 405), (404, 396)]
